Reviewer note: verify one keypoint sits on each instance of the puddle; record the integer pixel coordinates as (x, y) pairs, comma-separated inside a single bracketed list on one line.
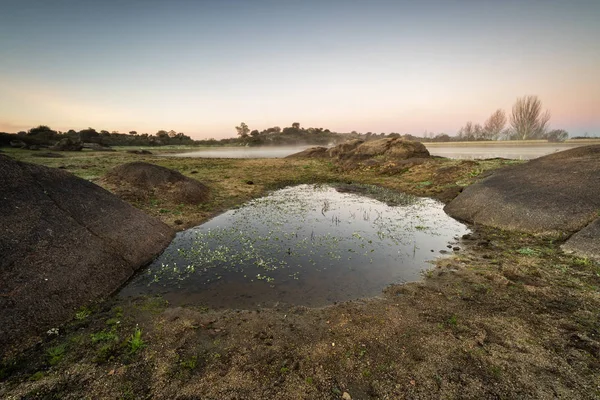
[(306, 245)]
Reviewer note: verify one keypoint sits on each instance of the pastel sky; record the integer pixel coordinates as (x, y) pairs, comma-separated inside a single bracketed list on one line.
[(202, 67)]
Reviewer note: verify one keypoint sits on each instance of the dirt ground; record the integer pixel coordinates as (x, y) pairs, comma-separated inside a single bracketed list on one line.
[(508, 316)]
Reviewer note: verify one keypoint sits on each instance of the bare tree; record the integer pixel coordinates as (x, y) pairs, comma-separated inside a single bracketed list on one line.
[(494, 125), (527, 119), (467, 132)]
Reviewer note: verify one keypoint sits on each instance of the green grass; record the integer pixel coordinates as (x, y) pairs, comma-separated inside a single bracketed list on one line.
[(83, 313), (104, 336), (55, 354), (136, 342)]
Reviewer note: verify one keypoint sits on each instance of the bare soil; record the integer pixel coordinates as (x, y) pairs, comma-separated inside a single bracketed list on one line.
[(507, 316)]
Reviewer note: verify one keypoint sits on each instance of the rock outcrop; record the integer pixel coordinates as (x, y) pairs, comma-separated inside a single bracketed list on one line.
[(558, 194), (141, 181), (356, 153), (66, 144), (64, 242)]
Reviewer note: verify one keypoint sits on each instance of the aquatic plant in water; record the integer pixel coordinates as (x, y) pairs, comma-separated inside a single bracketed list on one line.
[(300, 231)]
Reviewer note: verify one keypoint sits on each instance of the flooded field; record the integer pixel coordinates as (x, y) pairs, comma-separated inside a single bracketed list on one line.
[(243, 152), (509, 150), (304, 245), (513, 151)]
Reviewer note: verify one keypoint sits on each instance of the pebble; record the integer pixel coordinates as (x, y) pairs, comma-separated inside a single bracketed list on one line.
[(346, 396)]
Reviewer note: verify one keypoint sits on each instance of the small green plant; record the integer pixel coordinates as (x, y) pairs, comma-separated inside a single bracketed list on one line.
[(453, 320), (190, 363), (83, 313), (103, 336), (37, 376), (527, 251), (284, 370), (55, 354), (309, 380), (583, 262), (118, 310), (135, 341)]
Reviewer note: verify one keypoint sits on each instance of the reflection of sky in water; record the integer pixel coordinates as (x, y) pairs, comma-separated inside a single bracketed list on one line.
[(513, 152), (308, 245)]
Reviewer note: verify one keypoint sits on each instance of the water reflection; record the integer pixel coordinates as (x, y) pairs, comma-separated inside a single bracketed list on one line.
[(304, 245), (496, 150)]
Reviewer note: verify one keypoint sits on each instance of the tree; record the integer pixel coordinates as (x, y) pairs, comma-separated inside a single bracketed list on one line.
[(254, 133), (242, 130), (527, 119), (132, 132), (162, 134), (557, 135), (88, 135), (296, 125), (42, 132), (493, 128), (467, 132)]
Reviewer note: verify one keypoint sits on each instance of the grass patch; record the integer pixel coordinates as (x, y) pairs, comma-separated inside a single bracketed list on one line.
[(55, 354), (136, 343)]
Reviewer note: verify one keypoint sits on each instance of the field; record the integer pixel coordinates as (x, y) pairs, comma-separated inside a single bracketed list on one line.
[(508, 316)]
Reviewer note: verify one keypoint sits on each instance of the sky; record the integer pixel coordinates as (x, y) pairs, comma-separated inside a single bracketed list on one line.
[(202, 67)]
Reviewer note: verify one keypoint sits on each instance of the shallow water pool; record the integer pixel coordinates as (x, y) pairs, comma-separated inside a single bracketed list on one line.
[(306, 245)]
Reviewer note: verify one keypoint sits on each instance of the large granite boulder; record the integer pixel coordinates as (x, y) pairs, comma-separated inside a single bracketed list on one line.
[(356, 153), (66, 144), (64, 242), (558, 194), (142, 181)]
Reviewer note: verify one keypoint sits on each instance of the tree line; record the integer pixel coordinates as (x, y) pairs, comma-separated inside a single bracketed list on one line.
[(527, 121)]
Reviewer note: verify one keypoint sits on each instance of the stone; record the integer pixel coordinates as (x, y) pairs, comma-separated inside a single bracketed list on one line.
[(142, 181), (66, 144), (558, 194), (65, 242)]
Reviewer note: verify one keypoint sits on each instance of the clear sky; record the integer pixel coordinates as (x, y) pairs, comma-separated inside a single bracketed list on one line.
[(202, 67)]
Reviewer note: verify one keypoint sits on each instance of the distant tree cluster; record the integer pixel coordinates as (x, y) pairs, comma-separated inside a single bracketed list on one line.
[(527, 122), (43, 135), (291, 135)]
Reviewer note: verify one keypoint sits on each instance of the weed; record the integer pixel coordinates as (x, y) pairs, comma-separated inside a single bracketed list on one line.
[(104, 336), (37, 376), (106, 353), (527, 251), (55, 354), (309, 380), (452, 321), (135, 341), (582, 262), (83, 313), (190, 363), (284, 370), (118, 311)]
